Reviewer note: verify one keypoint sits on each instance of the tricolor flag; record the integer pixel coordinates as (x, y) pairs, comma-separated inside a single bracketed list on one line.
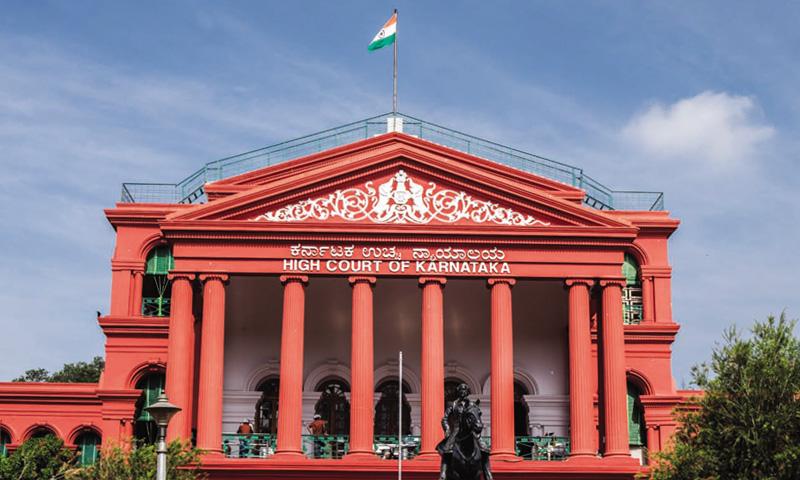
[(386, 36)]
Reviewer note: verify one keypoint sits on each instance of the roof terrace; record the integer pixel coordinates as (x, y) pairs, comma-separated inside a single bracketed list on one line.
[(190, 189)]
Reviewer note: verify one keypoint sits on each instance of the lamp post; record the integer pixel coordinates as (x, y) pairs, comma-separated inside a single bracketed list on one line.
[(162, 412)]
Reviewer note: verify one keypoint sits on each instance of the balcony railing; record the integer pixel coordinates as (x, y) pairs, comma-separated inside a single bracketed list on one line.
[(155, 306), (260, 445)]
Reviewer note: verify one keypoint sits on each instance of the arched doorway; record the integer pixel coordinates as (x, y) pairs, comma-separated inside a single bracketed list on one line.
[(333, 406), (156, 287), (386, 411), (88, 443), (521, 411), (144, 428), (636, 426), (5, 440), (266, 416)]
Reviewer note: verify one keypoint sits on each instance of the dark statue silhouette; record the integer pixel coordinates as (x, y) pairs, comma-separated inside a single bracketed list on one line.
[(463, 456)]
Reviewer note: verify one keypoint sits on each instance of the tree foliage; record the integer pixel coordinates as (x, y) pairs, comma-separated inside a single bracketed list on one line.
[(37, 459), (78, 372), (746, 425)]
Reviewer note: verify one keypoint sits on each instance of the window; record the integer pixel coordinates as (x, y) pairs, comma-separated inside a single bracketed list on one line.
[(267, 406), (333, 406), (5, 440), (156, 289), (632, 292), (386, 411), (521, 410), (144, 428), (636, 425), (88, 444)]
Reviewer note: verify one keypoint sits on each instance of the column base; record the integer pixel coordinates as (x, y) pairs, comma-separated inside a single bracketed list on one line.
[(505, 457), (289, 455), (360, 456), (583, 458), (620, 459)]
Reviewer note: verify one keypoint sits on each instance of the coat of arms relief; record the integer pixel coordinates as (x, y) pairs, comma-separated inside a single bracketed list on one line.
[(403, 200)]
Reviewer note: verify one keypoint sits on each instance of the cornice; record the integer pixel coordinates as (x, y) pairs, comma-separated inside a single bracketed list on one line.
[(134, 325)]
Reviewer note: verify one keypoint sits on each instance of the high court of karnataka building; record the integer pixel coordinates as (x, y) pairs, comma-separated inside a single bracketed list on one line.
[(281, 284)]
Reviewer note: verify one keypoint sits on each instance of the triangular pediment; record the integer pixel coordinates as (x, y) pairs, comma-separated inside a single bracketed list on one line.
[(396, 180)]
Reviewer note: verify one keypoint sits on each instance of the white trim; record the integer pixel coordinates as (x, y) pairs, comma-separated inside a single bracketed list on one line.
[(390, 371), (331, 368), (519, 376), (454, 370), (271, 369)]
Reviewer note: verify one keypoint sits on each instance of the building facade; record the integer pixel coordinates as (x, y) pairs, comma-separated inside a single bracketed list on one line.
[(286, 291)]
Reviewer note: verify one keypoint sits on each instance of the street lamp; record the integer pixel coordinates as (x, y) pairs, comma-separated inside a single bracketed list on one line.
[(162, 412)]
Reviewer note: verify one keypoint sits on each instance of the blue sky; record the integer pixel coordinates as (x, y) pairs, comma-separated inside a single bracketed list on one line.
[(698, 99)]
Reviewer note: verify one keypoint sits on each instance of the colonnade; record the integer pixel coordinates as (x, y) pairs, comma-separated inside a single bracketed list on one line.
[(583, 436)]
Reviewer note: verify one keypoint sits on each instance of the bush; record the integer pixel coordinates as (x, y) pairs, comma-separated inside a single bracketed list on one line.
[(39, 459), (140, 464)]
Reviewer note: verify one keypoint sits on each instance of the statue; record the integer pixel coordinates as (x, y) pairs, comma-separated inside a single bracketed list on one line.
[(463, 456)]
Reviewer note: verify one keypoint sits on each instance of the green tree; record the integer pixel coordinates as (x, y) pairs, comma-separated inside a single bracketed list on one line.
[(38, 459), (139, 463), (746, 425), (79, 372)]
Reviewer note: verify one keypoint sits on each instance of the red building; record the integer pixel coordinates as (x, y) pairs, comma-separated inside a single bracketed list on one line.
[(280, 284)]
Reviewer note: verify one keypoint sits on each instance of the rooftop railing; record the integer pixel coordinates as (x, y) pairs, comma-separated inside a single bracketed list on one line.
[(190, 189)]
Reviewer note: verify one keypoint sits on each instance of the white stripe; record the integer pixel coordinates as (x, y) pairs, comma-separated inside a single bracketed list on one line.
[(385, 32)]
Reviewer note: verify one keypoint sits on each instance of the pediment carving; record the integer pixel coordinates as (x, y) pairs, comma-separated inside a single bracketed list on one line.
[(401, 199)]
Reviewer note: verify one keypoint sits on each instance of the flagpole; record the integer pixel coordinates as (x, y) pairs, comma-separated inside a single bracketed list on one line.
[(400, 412), (394, 76)]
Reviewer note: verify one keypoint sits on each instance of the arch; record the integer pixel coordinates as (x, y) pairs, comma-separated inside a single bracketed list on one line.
[(150, 242), (454, 370), (260, 375), (329, 370), (41, 429), (151, 384), (520, 376), (386, 409), (10, 431), (640, 381), (81, 429), (389, 371), (639, 253), (5, 440), (145, 368)]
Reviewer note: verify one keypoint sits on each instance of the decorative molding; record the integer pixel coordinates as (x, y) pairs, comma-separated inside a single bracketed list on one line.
[(390, 370), (401, 200), (330, 369)]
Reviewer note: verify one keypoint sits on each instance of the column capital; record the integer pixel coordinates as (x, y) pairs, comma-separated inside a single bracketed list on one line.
[(361, 279), (494, 281), (182, 275), (613, 282), (440, 280), (294, 279), (223, 277), (579, 281)]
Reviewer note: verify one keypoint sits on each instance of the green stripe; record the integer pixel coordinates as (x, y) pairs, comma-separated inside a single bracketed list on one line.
[(382, 42)]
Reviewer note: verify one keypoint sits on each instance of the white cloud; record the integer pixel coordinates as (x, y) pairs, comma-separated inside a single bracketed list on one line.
[(718, 128)]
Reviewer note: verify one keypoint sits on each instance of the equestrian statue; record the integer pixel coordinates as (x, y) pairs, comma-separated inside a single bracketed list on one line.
[(463, 456)]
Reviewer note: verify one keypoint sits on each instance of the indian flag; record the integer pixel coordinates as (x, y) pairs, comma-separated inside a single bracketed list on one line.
[(386, 36)]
